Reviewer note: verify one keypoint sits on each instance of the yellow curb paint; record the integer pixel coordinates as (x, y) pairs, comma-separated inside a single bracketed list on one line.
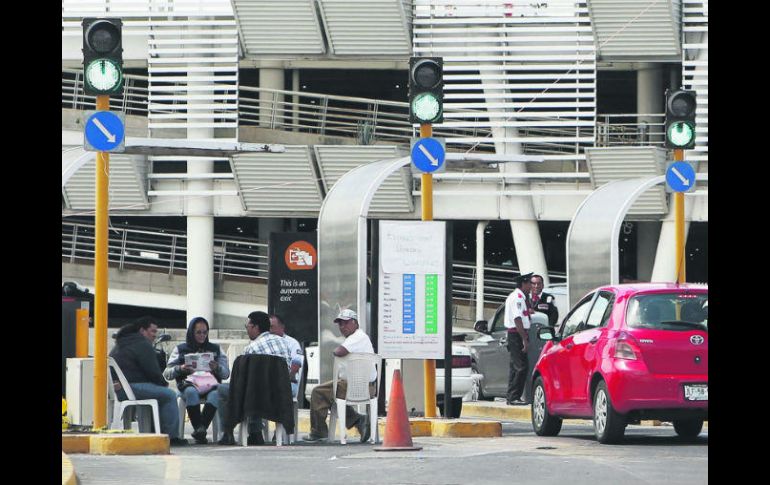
[(466, 429), (67, 471), (509, 413), (75, 443), (130, 444)]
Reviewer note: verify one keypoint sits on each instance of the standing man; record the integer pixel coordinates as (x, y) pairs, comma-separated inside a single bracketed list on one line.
[(278, 328), (517, 322), (543, 302), (321, 399), (263, 342), (135, 356)]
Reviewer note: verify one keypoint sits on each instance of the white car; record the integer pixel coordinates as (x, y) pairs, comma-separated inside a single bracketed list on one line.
[(462, 376)]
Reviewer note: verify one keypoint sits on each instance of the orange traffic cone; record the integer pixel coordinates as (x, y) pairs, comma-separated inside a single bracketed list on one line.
[(398, 435)]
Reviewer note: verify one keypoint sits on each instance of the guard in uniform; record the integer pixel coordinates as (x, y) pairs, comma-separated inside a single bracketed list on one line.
[(517, 311), (543, 302)]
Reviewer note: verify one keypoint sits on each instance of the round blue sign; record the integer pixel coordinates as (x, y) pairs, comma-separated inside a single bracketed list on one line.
[(104, 131), (680, 176), (428, 154)]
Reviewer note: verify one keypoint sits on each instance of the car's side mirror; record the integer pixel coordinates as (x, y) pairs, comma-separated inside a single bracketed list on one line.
[(546, 333), (481, 326)]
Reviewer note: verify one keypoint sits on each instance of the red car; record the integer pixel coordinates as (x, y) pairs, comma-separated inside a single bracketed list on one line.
[(626, 353)]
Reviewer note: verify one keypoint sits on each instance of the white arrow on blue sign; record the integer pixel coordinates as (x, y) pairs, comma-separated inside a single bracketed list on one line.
[(428, 154), (104, 132), (680, 177)]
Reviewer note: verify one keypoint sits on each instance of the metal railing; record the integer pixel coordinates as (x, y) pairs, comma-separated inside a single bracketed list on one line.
[(166, 251), (148, 249), (614, 130)]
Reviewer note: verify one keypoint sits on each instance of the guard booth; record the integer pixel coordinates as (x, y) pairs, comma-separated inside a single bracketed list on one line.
[(76, 302)]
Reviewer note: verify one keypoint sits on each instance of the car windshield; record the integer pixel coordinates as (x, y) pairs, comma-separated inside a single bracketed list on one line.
[(669, 311)]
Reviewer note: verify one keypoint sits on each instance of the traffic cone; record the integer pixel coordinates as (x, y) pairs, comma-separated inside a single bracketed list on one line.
[(398, 435)]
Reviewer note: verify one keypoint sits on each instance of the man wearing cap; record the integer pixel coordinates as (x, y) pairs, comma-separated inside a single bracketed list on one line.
[(321, 399), (517, 310)]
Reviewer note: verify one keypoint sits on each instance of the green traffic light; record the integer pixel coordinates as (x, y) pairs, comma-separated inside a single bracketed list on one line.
[(680, 134), (104, 75), (426, 107)]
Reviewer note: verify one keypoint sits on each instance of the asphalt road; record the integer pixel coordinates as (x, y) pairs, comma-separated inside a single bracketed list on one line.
[(649, 455)]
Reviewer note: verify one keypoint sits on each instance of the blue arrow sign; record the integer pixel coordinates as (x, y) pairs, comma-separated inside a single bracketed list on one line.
[(428, 154), (680, 177), (104, 132)]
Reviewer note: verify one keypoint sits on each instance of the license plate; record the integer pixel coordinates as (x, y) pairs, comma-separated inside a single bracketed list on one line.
[(696, 392)]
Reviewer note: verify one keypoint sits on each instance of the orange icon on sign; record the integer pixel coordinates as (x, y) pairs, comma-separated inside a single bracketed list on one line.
[(300, 255)]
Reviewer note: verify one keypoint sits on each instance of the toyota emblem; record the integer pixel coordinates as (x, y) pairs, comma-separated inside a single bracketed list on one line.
[(696, 340)]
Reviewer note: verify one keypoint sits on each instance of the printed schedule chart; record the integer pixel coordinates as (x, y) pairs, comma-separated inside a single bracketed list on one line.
[(411, 289)]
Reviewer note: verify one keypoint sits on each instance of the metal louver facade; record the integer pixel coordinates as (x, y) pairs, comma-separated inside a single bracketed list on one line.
[(283, 27), (278, 184), (519, 73), (608, 164), (695, 71), (631, 30), (395, 193), (366, 27), (127, 190)]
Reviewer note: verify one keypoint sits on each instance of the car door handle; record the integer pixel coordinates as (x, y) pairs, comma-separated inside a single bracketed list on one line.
[(593, 340)]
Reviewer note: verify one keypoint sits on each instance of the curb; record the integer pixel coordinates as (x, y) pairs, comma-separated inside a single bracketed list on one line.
[(68, 476), (129, 444), (75, 443)]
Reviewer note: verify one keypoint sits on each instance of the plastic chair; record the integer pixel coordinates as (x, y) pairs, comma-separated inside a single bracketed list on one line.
[(119, 407), (358, 370), (182, 405), (292, 438)]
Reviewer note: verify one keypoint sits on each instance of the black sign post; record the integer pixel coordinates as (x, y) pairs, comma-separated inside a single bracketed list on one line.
[(292, 290)]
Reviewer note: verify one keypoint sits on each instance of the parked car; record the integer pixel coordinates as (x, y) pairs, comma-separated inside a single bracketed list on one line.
[(626, 353), (462, 376), (489, 351)]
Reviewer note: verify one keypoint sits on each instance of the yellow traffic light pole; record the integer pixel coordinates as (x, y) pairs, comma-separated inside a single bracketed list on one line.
[(429, 365), (100, 279), (679, 240)]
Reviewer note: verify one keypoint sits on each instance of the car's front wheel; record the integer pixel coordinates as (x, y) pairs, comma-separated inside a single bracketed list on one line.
[(543, 423), (609, 425), (688, 428), (477, 391)]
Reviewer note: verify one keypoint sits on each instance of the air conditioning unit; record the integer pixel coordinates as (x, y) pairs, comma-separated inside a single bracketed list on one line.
[(80, 391)]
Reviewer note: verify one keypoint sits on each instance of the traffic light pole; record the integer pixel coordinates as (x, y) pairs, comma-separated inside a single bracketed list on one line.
[(429, 365), (679, 240), (100, 279)]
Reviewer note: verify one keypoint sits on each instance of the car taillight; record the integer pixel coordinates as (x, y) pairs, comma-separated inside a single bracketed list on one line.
[(461, 361), (626, 348)]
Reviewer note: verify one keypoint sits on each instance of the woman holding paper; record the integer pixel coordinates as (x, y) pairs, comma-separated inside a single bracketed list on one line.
[(198, 366)]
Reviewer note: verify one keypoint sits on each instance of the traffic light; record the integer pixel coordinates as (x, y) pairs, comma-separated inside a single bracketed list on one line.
[(680, 119), (426, 90), (102, 56)]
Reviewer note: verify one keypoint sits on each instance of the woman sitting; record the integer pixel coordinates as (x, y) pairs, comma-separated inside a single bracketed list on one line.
[(194, 383)]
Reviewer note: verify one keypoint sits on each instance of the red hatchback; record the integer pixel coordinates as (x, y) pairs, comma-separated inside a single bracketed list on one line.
[(626, 353)]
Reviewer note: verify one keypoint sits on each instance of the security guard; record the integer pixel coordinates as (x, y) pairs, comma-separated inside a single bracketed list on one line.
[(517, 311), (543, 302)]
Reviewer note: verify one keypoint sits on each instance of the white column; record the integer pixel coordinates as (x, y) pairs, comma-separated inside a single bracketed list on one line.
[(295, 100), (271, 76), (650, 97), (200, 227), (480, 269), (665, 265)]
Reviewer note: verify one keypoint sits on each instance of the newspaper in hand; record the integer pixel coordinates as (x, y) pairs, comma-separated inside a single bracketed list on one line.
[(199, 362)]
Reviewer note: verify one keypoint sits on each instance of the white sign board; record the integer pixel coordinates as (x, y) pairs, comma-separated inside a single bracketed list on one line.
[(412, 278)]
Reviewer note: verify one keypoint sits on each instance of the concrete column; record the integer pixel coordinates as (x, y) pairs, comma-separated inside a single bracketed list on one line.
[(665, 264), (480, 269), (650, 97), (647, 235), (200, 226), (271, 76), (295, 100)]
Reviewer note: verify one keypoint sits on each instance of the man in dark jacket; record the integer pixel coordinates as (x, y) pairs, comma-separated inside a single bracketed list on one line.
[(135, 356), (543, 302)]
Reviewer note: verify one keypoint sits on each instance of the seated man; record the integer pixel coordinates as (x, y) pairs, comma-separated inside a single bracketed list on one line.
[(277, 327), (321, 399), (135, 356), (263, 342)]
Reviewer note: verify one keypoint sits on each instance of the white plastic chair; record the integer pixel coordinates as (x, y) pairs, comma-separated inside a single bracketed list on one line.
[(358, 370), (118, 407), (182, 405), (290, 438)]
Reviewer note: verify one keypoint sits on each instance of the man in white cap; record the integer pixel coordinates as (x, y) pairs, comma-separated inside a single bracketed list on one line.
[(517, 311), (321, 399)]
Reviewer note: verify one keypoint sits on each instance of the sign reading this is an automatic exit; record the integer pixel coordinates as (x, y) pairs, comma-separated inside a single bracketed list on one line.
[(412, 289)]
